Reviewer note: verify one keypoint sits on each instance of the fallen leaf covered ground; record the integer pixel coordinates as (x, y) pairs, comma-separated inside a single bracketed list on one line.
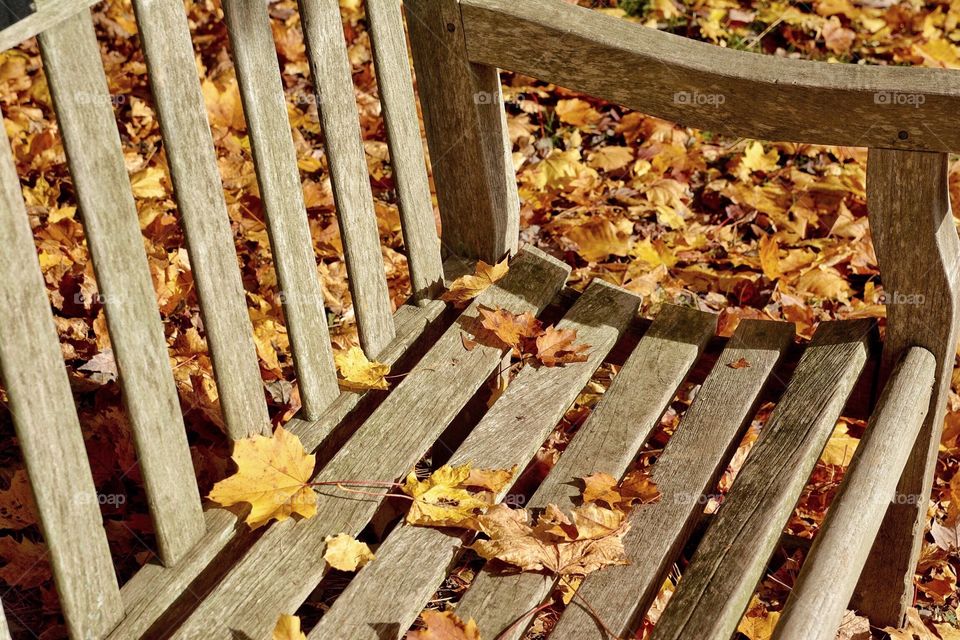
[(744, 228)]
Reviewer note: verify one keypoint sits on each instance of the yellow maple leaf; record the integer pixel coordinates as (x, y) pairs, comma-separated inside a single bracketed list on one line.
[(611, 158), (288, 628), (148, 183), (445, 625), (754, 159), (758, 623), (442, 499), (358, 373), (273, 476), (598, 238), (840, 447), (557, 169), (468, 287), (577, 112), (345, 553)]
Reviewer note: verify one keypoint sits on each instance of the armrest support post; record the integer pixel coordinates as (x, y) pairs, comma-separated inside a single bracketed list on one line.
[(919, 255)]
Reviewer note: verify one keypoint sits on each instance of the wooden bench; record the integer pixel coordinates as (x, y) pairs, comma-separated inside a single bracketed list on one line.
[(216, 579)]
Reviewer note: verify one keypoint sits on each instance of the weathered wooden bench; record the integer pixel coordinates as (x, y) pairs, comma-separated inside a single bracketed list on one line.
[(217, 579)]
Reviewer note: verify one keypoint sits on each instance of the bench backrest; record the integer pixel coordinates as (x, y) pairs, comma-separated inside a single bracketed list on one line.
[(33, 371)]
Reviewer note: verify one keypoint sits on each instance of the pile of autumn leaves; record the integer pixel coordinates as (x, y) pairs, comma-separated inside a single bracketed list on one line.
[(274, 477)]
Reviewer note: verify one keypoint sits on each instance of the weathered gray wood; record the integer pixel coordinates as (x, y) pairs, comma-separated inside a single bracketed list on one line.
[(820, 595), (330, 68), (707, 87), (4, 628), (275, 159), (48, 14), (43, 413), (716, 587), (192, 159), (406, 146), (78, 86), (158, 593), (919, 256), (283, 567), (688, 468), (607, 442), (385, 598), (466, 134)]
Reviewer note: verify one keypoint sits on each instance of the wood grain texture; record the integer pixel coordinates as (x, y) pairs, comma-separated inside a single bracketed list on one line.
[(158, 597), (707, 87), (332, 77), (48, 14), (78, 86), (192, 160), (917, 249), (466, 134), (716, 587), (395, 83), (607, 442), (4, 628), (384, 599), (283, 567), (829, 575), (686, 471), (45, 419), (275, 159)]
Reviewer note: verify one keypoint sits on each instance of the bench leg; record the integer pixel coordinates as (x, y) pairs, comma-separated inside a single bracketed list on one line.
[(919, 254)]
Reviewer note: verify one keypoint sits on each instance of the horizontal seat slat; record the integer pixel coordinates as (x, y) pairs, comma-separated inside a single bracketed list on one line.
[(820, 595), (283, 567), (689, 467), (157, 594), (607, 442), (413, 561), (399, 104), (337, 106), (168, 51), (275, 161), (716, 587), (45, 418), (48, 13), (78, 86)]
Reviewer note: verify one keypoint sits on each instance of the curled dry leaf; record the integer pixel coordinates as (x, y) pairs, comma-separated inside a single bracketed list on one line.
[(556, 346), (445, 625), (288, 628), (345, 553), (636, 487), (589, 539), (742, 363), (510, 328), (273, 476), (442, 500), (466, 288), (357, 373)]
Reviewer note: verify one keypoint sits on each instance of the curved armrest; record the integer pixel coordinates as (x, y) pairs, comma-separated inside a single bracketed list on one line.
[(710, 87)]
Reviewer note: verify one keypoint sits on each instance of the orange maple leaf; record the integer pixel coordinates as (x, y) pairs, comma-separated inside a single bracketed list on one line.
[(556, 346)]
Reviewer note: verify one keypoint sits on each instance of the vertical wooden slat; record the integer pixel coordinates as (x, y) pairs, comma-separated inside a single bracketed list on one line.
[(71, 58), (337, 106), (467, 136), (919, 255), (4, 628), (406, 146), (275, 157), (192, 159), (46, 422)]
